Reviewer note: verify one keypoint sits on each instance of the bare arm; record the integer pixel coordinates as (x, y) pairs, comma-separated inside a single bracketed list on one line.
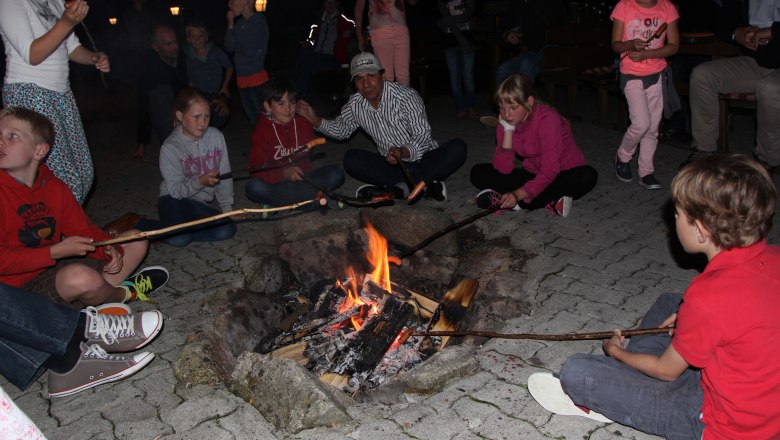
[(620, 46), (669, 366), (46, 44), (670, 48)]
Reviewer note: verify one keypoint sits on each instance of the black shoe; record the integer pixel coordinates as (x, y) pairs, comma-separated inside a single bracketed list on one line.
[(696, 154), (436, 191), (368, 192), (146, 281), (623, 171), (650, 182)]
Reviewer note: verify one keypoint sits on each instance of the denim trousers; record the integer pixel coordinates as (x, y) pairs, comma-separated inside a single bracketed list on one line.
[(32, 328), (623, 394), (526, 64), (328, 177), (173, 211), (460, 63), (252, 101), (436, 164), (575, 183)]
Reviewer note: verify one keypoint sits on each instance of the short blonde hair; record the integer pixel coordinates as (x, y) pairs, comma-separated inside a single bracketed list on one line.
[(41, 128), (732, 196), (515, 88)]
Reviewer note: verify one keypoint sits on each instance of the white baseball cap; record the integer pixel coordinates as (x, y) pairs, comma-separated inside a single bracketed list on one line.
[(364, 62)]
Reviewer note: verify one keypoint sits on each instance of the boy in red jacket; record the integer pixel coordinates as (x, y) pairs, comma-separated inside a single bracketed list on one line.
[(42, 227), (278, 133)]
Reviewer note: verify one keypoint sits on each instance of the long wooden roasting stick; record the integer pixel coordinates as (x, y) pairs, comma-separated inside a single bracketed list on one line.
[(292, 157), (536, 336), (147, 234), (449, 229)]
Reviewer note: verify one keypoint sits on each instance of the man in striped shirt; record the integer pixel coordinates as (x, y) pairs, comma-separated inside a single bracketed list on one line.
[(394, 116)]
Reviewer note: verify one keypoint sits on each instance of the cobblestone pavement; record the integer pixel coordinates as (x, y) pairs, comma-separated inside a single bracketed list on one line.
[(596, 270)]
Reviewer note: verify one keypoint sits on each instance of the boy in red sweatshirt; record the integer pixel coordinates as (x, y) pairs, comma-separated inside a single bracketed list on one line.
[(42, 227), (278, 133)]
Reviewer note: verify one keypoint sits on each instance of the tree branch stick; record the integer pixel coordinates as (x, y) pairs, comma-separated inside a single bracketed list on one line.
[(147, 234), (541, 337), (449, 228)]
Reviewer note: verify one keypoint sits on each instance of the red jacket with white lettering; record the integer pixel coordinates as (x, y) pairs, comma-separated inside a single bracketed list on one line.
[(274, 141)]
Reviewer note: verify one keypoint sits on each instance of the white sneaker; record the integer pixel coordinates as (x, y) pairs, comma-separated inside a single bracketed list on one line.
[(546, 390)]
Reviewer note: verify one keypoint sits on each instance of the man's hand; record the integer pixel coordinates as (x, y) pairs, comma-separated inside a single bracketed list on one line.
[(513, 37), (305, 109), (397, 154), (100, 60), (614, 343), (747, 36), (71, 247), (764, 35), (220, 105), (293, 173), (114, 264), (209, 179)]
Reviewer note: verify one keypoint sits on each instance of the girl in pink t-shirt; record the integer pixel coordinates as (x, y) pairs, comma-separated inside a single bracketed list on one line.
[(642, 68)]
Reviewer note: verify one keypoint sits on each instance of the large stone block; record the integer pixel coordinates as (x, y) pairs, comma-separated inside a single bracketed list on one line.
[(286, 394)]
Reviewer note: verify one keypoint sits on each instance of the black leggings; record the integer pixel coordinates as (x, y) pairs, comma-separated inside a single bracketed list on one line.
[(574, 182)]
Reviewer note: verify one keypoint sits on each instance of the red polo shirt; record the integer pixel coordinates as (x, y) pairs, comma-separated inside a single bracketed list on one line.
[(729, 326)]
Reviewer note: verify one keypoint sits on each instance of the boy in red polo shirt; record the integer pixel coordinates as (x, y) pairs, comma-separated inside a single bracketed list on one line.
[(716, 375)]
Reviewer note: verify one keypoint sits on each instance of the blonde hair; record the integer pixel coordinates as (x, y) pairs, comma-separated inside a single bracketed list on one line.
[(732, 196), (515, 88), (40, 126)]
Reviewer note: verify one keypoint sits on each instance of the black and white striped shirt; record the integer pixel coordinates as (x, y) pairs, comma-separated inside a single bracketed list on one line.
[(400, 121)]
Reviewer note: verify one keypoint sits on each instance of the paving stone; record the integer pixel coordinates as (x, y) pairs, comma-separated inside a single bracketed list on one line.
[(444, 425), (191, 413), (503, 427), (89, 425), (142, 428), (247, 423)]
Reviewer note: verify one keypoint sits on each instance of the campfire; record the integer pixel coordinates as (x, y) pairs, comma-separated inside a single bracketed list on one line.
[(356, 332)]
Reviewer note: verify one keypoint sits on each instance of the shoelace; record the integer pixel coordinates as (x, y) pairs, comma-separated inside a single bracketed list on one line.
[(142, 285), (110, 327), (95, 351), (551, 210)]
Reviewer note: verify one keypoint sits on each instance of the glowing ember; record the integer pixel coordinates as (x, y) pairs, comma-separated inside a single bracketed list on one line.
[(380, 274)]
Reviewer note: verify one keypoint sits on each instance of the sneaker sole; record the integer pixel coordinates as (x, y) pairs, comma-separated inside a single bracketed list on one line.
[(153, 333), (650, 187), (113, 378), (623, 179), (484, 191), (546, 390), (567, 201)]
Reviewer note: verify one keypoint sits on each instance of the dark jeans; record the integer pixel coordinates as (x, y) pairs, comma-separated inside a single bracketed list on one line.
[(328, 177), (526, 64), (174, 211), (575, 183), (252, 101), (32, 328), (460, 63), (437, 164), (310, 63), (623, 394)]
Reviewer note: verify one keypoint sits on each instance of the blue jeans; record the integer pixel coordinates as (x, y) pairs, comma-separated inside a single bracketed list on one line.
[(623, 394), (161, 110), (32, 328), (252, 101), (174, 211), (328, 177), (436, 164), (460, 63), (527, 64)]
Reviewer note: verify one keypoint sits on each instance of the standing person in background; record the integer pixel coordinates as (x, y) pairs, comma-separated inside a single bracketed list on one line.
[(456, 15), (389, 35), (209, 70), (247, 36), (326, 47), (164, 73), (644, 78), (39, 41)]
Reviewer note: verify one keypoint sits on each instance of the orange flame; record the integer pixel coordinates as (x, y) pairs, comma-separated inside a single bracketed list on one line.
[(377, 257)]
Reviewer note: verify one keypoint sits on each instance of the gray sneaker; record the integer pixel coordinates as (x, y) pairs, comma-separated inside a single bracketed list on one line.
[(121, 333), (95, 367)]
